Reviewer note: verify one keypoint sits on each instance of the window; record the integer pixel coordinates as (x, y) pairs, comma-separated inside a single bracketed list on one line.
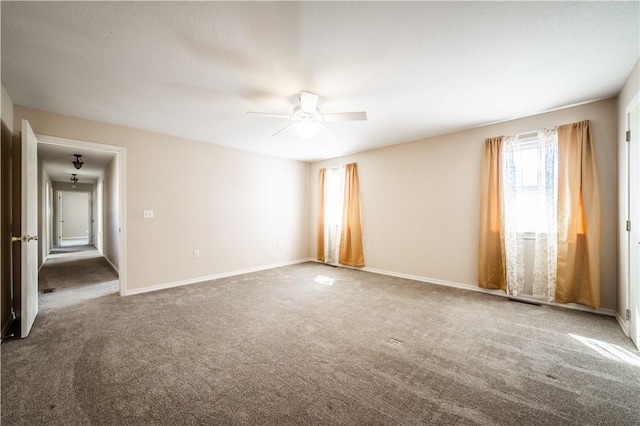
[(530, 170), (334, 194), (542, 186), (529, 209), (334, 203), (339, 229)]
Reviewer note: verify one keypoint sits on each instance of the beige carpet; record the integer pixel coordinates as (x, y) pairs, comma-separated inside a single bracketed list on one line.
[(277, 347)]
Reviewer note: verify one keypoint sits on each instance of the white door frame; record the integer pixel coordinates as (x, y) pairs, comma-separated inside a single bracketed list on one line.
[(632, 252), (120, 151), (48, 221), (99, 214), (59, 219)]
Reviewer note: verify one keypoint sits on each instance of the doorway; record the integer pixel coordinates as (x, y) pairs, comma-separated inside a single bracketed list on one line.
[(74, 218), (89, 215)]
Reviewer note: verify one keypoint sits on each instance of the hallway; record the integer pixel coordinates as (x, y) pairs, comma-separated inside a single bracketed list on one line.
[(74, 277)]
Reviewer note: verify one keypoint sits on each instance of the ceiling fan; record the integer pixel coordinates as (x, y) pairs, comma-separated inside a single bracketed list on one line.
[(308, 121)]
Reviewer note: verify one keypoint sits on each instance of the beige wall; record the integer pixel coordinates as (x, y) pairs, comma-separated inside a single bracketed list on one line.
[(628, 92), (241, 210), (6, 109), (420, 200)]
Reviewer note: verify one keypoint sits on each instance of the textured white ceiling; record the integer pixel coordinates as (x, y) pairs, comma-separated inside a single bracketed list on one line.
[(419, 69), (57, 160)]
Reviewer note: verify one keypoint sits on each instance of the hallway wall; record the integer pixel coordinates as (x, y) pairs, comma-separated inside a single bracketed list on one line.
[(110, 212)]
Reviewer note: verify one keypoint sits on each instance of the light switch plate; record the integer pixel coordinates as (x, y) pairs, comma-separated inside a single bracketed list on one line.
[(148, 214)]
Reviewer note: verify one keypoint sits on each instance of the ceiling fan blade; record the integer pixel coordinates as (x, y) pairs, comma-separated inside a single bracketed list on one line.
[(345, 116), (283, 129), (326, 132), (268, 114), (308, 102)]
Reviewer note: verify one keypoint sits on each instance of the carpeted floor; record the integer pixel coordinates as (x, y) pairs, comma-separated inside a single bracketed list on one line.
[(72, 250), (277, 347)]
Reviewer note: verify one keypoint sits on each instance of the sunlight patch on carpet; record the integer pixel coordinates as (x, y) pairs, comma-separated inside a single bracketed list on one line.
[(324, 280), (609, 351)]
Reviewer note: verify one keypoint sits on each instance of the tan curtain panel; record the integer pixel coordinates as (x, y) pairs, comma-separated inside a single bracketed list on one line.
[(351, 252), (320, 230), (491, 262), (578, 278)]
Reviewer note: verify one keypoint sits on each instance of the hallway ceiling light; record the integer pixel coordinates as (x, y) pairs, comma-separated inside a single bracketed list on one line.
[(74, 179), (77, 162)]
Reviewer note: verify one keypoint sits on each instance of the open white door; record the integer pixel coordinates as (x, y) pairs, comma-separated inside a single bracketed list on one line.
[(29, 228), (634, 217), (98, 219)]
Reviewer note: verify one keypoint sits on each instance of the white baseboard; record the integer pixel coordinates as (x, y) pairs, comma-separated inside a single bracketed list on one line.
[(111, 264), (209, 277), (471, 287), (624, 324), (462, 286)]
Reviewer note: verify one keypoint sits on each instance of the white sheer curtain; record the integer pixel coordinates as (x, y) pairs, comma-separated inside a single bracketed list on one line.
[(334, 201), (529, 209)]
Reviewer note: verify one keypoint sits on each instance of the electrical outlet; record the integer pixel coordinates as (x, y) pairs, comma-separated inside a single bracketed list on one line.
[(148, 214), (196, 254)]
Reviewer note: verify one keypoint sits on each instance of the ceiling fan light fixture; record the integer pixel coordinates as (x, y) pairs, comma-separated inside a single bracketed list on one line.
[(308, 121), (307, 129)]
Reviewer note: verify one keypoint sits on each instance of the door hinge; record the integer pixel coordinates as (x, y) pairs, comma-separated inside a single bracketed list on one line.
[(628, 314), (628, 135), (628, 225)]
